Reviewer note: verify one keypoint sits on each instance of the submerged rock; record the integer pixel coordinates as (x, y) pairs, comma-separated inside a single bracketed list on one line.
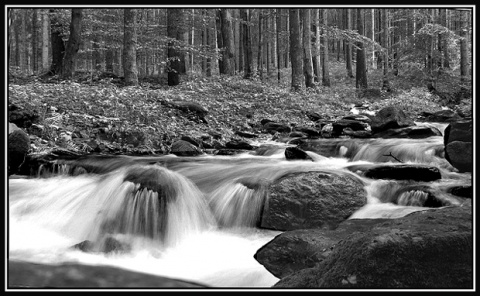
[(404, 172), (295, 153), (72, 275), (312, 200)]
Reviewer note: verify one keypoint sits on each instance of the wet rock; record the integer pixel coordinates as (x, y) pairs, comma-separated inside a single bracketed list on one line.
[(356, 134), (85, 246), (295, 250), (404, 172), (420, 250), (458, 140), (246, 134), (353, 125), (184, 148), (273, 127), (411, 132), (308, 131), (190, 140), (295, 153), (462, 191), (312, 200), (72, 275), (18, 147), (238, 144), (389, 117), (297, 134), (441, 116), (22, 117)]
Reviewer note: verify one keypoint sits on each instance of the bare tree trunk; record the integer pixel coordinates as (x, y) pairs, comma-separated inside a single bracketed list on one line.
[(277, 31), (374, 65), (228, 42), (211, 44), (296, 50), (267, 41), (247, 43), (463, 45), (361, 73), (130, 71), (349, 46), (176, 58), (260, 41), (386, 82), (34, 41), (316, 51), (325, 64), (307, 48), (22, 45), (73, 44), (45, 40)]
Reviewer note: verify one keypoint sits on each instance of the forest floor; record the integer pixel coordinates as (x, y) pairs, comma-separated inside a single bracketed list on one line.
[(97, 115)]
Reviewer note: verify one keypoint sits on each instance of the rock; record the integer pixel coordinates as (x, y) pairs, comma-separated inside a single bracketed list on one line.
[(308, 131), (21, 117), (411, 132), (184, 148), (265, 121), (190, 140), (389, 117), (228, 152), (18, 147), (295, 250), (85, 246), (353, 125), (312, 200), (192, 108), (238, 144), (460, 155), (246, 134), (356, 134), (458, 141), (423, 250), (441, 116), (462, 191), (273, 127), (297, 134), (404, 172), (313, 116), (71, 275), (295, 153), (12, 127)]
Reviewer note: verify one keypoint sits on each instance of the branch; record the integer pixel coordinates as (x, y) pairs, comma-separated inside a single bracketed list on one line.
[(393, 157)]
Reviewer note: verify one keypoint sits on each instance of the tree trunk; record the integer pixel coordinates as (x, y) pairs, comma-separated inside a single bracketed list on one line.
[(386, 82), (247, 43), (325, 64), (218, 22), (45, 40), (22, 45), (277, 31), (73, 44), (176, 58), (260, 41), (307, 48), (267, 41), (463, 45), (361, 73), (34, 41), (349, 46), (211, 45), (130, 71), (228, 52), (316, 51), (374, 65), (296, 50)]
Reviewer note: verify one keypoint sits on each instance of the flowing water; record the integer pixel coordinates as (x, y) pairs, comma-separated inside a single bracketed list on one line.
[(196, 218)]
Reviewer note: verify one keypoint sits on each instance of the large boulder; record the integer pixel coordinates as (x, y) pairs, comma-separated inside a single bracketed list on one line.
[(72, 275), (427, 249), (18, 146), (295, 250), (184, 148), (390, 117), (458, 141), (312, 200)]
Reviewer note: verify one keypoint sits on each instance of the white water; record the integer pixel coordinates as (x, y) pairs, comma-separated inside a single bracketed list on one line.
[(209, 234)]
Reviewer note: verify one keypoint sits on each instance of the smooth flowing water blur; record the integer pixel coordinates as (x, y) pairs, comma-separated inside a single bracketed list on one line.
[(203, 226)]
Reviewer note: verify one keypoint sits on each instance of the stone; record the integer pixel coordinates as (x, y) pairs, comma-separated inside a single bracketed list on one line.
[(411, 132), (390, 117), (404, 172), (295, 153), (238, 144), (273, 127), (18, 147), (73, 275), (460, 155), (312, 200), (424, 250), (184, 148)]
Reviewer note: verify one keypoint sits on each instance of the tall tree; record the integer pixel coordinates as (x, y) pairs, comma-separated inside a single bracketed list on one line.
[(218, 24), (228, 52), (34, 41), (349, 46), (22, 45), (176, 58), (296, 49), (463, 44), (386, 82), (325, 63), (210, 41), (58, 46), (260, 41), (277, 31), (45, 39), (307, 48), (361, 73), (316, 38), (129, 47), (73, 44), (247, 43)]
